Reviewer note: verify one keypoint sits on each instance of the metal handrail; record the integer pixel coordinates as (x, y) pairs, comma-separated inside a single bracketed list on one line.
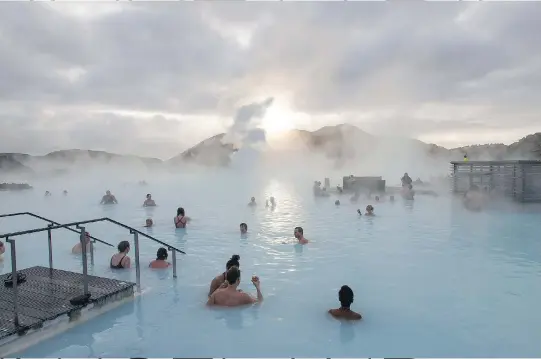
[(52, 222), (82, 239)]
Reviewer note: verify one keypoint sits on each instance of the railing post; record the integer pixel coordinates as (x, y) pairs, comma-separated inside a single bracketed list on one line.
[(14, 277), (82, 238), (91, 247), (174, 263), (50, 243), (137, 266)]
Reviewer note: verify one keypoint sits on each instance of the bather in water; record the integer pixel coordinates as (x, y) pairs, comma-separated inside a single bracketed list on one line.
[(121, 259), (161, 259), (220, 279), (345, 296), (369, 210), (230, 296), (77, 249), (149, 223), (149, 202), (299, 234), (108, 198), (243, 228), (252, 202), (181, 219)]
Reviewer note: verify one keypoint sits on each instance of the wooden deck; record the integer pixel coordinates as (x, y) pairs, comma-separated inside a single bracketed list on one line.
[(45, 296)]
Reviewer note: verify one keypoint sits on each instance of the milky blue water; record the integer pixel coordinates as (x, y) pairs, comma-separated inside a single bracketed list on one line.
[(429, 278)]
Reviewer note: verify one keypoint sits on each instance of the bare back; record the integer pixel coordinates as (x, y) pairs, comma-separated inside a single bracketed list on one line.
[(230, 297), (346, 314)]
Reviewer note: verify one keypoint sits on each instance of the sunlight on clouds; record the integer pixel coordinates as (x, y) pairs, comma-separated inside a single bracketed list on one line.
[(85, 10)]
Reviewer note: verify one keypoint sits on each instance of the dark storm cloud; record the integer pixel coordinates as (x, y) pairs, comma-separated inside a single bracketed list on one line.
[(187, 58)]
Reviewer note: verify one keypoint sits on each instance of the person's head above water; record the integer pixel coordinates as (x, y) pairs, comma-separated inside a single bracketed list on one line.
[(108, 192), (87, 237), (149, 196), (123, 247), (243, 228), (149, 222), (180, 211), (162, 254), (252, 199), (232, 275), (337, 202), (345, 296), (369, 208), (233, 262), (298, 232)]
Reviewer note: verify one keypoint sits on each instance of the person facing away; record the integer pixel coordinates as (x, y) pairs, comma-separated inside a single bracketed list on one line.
[(252, 202), (243, 228), (345, 296), (299, 234), (149, 202), (121, 259), (77, 249), (230, 296), (220, 279), (181, 220), (406, 180), (108, 198), (161, 259)]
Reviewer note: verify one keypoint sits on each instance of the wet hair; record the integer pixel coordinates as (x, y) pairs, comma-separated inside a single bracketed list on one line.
[(345, 296), (148, 195), (369, 207), (122, 246), (244, 225), (232, 275), (337, 202), (161, 254), (180, 211), (299, 229), (233, 262)]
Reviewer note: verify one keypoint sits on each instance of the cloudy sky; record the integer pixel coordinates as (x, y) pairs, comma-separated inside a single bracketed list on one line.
[(154, 78)]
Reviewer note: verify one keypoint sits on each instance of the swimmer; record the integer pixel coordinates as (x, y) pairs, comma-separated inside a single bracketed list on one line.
[(299, 234), (65, 193), (337, 202), (149, 223), (47, 193), (108, 198), (149, 202), (369, 210), (252, 202), (181, 220), (243, 228), (121, 259), (220, 280), (359, 211), (77, 249), (271, 202), (231, 296), (161, 259), (345, 296)]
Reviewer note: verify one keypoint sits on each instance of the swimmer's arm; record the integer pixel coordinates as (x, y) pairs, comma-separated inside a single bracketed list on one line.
[(127, 262), (211, 301), (114, 199), (213, 286), (252, 300)]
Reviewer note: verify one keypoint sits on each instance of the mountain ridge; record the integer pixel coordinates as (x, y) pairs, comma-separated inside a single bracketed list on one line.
[(341, 142)]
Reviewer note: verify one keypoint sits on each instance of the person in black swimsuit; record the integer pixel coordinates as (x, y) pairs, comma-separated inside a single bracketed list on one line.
[(121, 259), (220, 279)]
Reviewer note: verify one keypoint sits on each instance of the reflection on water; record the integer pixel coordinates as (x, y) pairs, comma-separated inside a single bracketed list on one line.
[(425, 261)]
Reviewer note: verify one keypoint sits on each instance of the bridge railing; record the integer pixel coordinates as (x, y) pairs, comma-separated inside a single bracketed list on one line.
[(82, 238)]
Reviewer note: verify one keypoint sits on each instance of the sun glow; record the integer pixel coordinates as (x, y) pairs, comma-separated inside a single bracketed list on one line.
[(278, 120)]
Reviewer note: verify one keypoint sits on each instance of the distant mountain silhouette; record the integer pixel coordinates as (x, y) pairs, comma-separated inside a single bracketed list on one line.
[(340, 142)]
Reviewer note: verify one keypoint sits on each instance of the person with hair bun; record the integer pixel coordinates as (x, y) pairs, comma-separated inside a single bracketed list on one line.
[(161, 259), (221, 278)]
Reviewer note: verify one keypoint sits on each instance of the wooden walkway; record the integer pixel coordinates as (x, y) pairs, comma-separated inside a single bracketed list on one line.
[(46, 296)]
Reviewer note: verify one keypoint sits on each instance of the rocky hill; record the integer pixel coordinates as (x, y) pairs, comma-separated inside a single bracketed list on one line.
[(339, 142)]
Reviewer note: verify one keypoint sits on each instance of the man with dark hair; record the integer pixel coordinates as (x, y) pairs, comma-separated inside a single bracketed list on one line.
[(345, 296), (231, 296), (299, 234)]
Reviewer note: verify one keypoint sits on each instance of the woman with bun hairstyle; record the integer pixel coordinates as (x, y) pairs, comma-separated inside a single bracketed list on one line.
[(220, 280)]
